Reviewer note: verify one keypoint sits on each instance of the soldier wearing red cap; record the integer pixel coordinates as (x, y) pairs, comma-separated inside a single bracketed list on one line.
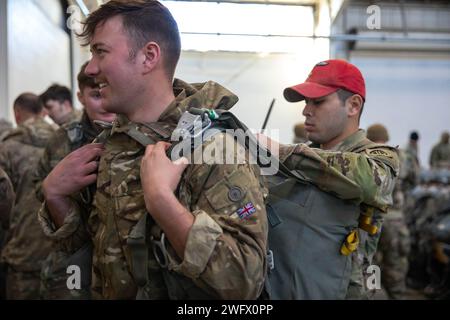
[(343, 162)]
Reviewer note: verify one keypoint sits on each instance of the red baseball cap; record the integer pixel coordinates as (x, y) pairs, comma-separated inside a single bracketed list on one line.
[(327, 77)]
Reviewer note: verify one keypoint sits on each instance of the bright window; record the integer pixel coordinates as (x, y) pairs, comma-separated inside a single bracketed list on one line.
[(215, 26)]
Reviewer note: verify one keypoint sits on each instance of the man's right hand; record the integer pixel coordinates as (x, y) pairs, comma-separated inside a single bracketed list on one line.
[(75, 172)]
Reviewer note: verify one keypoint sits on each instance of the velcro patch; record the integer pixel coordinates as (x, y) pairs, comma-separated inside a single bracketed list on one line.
[(247, 211)]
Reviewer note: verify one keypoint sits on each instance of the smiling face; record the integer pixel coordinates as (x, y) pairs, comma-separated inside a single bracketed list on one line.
[(116, 72), (92, 101), (326, 119)]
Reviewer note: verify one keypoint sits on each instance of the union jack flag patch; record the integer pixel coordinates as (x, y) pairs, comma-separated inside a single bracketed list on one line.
[(246, 211)]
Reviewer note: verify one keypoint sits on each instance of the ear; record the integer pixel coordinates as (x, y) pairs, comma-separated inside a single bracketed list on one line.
[(151, 56), (354, 105), (80, 97), (67, 105), (17, 115)]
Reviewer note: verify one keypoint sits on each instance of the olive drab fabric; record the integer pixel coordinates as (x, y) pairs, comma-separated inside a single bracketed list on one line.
[(225, 254), (307, 229)]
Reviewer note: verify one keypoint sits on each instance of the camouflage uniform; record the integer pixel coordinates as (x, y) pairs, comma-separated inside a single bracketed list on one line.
[(224, 255), (353, 171), (5, 127), (26, 245), (440, 155), (68, 138), (395, 240), (7, 197)]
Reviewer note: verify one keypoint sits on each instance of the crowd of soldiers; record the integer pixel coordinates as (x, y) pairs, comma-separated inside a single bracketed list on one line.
[(99, 190)]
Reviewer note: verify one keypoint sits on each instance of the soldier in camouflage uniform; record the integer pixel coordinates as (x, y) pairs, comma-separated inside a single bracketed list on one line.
[(68, 138), (26, 244), (211, 248), (341, 160), (394, 245), (5, 127), (440, 154), (7, 198), (57, 101)]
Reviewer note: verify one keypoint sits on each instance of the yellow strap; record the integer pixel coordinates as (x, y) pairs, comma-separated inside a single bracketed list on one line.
[(365, 222), (350, 244)]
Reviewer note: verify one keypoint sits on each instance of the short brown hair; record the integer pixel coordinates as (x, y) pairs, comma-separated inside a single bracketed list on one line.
[(28, 102), (84, 80), (143, 21)]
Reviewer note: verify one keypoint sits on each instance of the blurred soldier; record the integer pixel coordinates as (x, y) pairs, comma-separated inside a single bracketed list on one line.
[(394, 244), (6, 203), (210, 233), (411, 170), (26, 245), (57, 100), (440, 154), (300, 133), (68, 138), (342, 162), (5, 127)]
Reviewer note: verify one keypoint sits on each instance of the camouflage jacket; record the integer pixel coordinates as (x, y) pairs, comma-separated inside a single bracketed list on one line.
[(349, 171), (440, 155), (5, 127), (7, 197), (224, 255), (19, 154), (409, 169)]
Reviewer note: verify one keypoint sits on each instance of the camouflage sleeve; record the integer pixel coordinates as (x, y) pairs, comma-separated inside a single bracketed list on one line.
[(226, 247), (56, 149), (6, 199), (72, 235), (366, 177)]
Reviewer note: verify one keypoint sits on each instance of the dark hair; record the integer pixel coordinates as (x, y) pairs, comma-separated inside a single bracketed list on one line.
[(143, 21), (28, 102), (56, 92), (414, 136), (84, 80), (344, 95)]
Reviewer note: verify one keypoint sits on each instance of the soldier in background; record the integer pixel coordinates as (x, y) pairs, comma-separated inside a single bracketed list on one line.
[(440, 154), (394, 243), (7, 198), (5, 127), (68, 138), (26, 246), (57, 101)]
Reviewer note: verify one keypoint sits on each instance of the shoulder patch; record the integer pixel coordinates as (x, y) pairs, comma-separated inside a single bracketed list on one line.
[(378, 152)]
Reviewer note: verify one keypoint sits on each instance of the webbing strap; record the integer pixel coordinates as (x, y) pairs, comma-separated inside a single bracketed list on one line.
[(139, 256), (140, 137), (365, 221)]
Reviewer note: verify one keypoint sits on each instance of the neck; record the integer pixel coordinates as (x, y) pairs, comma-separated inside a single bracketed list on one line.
[(341, 137), (152, 104)]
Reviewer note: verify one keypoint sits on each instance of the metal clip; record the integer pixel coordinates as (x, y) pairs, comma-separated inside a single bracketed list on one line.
[(159, 251)]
